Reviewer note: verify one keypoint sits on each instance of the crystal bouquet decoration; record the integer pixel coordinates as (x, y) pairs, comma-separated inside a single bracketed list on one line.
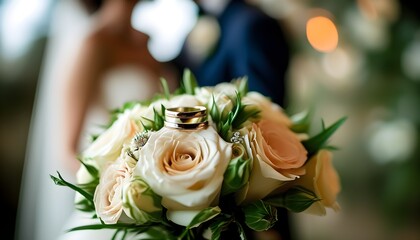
[(200, 162)]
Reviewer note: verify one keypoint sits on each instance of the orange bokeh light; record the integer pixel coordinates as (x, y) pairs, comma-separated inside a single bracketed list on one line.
[(322, 34)]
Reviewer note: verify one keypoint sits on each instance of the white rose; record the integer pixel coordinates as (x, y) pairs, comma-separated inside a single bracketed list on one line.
[(107, 147), (226, 88), (278, 157), (204, 94), (269, 110), (186, 168), (108, 194)]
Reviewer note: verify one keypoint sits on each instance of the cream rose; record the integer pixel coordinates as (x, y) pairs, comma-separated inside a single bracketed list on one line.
[(322, 179), (278, 157), (223, 102), (107, 147), (204, 94), (269, 110), (186, 168), (108, 196), (140, 203), (226, 88)]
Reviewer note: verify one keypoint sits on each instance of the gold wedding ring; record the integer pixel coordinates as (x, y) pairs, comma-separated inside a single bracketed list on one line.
[(192, 126), (188, 118), (186, 112)]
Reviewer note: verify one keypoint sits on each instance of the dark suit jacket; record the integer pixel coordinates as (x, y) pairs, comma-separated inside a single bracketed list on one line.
[(251, 44)]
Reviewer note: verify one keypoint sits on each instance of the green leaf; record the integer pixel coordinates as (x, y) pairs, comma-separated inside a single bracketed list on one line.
[(237, 108), (180, 90), (147, 124), (301, 121), (116, 112), (157, 233), (241, 231), (85, 206), (238, 171), (108, 226), (204, 215), (242, 85), (61, 182), (235, 118), (93, 137), (158, 120), (114, 237), (317, 142), (260, 216), (90, 168), (165, 88), (90, 186), (215, 112), (219, 225), (296, 199), (323, 125), (224, 131), (189, 82), (246, 113)]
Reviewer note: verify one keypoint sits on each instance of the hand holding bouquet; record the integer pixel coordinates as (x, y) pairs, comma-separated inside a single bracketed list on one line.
[(203, 160)]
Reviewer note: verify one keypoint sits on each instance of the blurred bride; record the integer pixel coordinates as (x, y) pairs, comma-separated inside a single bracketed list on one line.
[(95, 61)]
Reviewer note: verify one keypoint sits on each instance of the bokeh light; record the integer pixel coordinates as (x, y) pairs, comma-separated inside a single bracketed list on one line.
[(379, 9), (167, 22), (20, 24), (369, 33), (322, 33), (392, 141), (410, 62)]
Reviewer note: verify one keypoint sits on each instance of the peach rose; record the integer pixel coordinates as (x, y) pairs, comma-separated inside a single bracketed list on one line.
[(269, 110), (278, 157), (322, 179)]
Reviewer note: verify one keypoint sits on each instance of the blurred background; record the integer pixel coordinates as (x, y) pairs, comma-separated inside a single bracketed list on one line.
[(357, 58)]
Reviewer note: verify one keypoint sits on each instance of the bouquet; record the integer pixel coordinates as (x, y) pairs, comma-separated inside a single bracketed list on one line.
[(202, 163)]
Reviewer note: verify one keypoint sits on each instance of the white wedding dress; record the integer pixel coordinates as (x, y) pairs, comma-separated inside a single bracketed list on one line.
[(46, 210)]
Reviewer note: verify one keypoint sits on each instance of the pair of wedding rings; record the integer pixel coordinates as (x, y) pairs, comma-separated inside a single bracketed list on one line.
[(186, 118)]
